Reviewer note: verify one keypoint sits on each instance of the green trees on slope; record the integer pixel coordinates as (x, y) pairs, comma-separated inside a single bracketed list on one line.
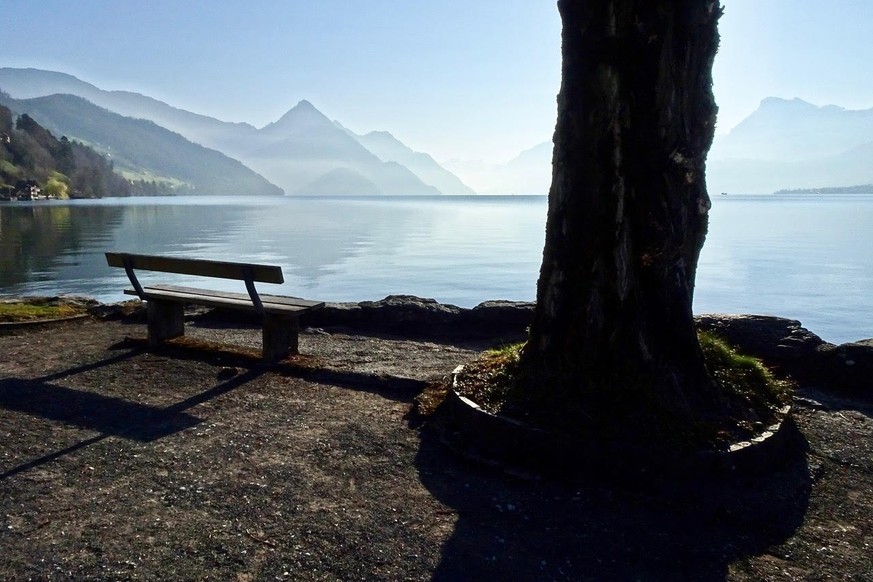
[(29, 153)]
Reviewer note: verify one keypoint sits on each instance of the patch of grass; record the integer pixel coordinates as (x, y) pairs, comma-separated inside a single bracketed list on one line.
[(489, 380), (509, 353), (434, 393), (19, 312), (753, 395), (753, 390), (486, 380)]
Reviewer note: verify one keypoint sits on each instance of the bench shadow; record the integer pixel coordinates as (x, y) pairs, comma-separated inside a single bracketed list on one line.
[(107, 415), (90, 411), (389, 387), (448, 334), (509, 528), (302, 366), (130, 351)]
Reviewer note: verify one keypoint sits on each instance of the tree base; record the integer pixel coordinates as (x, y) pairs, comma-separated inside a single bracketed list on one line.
[(495, 411), (525, 450)]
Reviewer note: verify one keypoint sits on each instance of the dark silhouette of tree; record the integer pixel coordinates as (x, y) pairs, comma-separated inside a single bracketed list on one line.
[(613, 333), (64, 156), (6, 123)]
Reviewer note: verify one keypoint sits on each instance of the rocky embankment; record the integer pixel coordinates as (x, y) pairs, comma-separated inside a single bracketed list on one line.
[(784, 344), (410, 315), (788, 347)]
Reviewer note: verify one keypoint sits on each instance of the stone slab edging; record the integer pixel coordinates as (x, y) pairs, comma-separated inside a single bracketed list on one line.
[(782, 344), (518, 448), (36, 323)]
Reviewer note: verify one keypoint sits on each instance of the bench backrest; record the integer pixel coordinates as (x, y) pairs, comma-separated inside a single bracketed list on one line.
[(199, 267)]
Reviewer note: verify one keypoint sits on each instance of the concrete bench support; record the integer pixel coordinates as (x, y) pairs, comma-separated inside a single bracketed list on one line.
[(280, 337), (166, 320)]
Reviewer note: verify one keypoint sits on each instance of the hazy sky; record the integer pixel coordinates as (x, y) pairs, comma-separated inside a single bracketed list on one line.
[(455, 78)]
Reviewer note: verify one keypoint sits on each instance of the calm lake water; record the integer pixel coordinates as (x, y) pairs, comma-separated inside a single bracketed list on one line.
[(804, 257)]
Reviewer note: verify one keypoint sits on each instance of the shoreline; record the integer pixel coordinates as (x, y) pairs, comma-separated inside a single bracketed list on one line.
[(805, 274), (781, 343), (404, 312)]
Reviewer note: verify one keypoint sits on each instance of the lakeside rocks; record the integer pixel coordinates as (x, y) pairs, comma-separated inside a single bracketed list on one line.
[(783, 344), (422, 317), (791, 349), (848, 367), (773, 339)]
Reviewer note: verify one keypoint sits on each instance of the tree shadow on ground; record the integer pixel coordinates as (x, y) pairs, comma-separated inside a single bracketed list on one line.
[(508, 528), (817, 398)]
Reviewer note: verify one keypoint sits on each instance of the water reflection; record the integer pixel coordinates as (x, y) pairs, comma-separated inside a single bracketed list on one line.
[(36, 238), (340, 249), (800, 257)]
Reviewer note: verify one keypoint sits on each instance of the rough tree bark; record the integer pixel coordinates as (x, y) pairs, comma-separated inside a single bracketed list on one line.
[(627, 207)]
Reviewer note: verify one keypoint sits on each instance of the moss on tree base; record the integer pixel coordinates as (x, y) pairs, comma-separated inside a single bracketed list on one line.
[(751, 395)]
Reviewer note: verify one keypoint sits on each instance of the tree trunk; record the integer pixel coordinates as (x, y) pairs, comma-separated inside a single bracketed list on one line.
[(627, 208)]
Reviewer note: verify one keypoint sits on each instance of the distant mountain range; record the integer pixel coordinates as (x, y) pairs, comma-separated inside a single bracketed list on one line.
[(141, 149), (530, 172), (389, 149), (303, 152), (783, 145), (791, 144)]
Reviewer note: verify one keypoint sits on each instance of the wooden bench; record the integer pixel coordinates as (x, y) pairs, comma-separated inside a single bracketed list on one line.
[(166, 317)]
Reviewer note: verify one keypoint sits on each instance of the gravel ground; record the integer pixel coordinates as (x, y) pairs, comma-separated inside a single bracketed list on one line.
[(193, 462)]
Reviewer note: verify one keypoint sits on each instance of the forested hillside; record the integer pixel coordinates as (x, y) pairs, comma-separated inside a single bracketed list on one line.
[(31, 157), (142, 150), (304, 152)]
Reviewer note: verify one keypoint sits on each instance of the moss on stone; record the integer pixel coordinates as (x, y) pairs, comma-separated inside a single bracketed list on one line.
[(20, 312), (753, 397)]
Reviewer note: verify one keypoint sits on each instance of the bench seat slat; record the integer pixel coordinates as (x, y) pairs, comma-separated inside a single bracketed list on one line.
[(198, 267), (273, 299), (208, 297)]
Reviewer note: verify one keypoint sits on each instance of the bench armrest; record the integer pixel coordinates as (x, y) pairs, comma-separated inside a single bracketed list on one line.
[(128, 268), (253, 293)]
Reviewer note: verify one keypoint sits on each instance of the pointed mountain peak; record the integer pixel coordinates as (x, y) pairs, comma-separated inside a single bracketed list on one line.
[(304, 105), (302, 114)]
